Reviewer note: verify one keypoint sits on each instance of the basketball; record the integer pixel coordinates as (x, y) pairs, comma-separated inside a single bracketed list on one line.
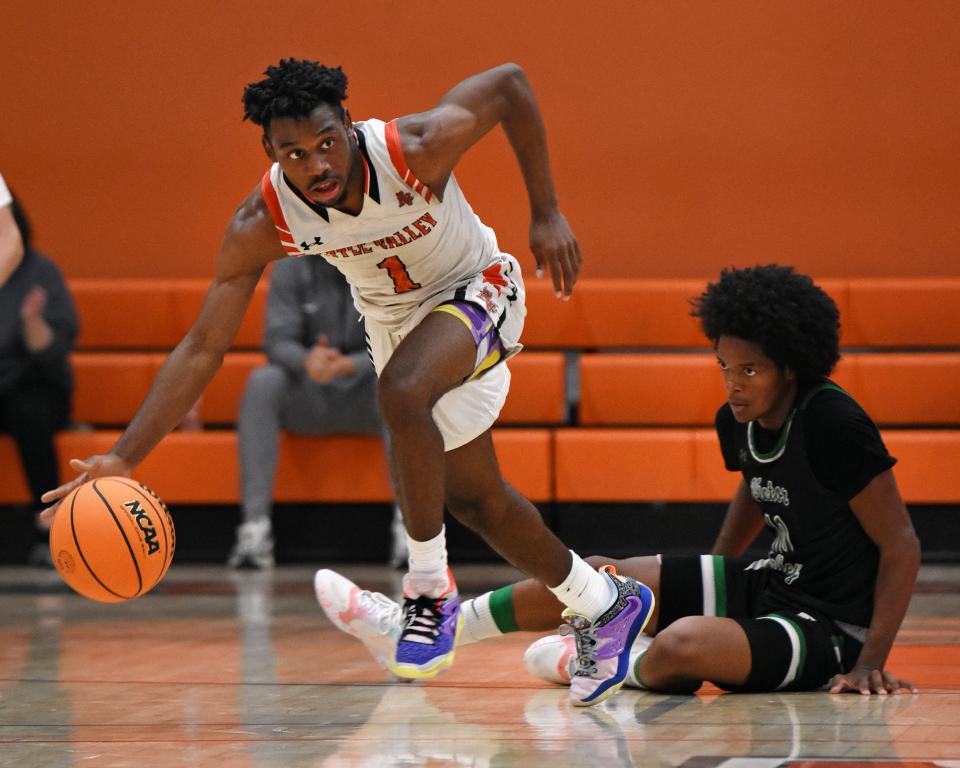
[(112, 539)]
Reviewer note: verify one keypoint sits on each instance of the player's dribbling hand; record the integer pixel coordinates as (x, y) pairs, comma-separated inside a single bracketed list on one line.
[(555, 247), (867, 681), (102, 465)]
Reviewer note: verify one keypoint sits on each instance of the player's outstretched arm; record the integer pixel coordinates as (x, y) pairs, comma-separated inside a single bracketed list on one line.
[(249, 244), (884, 517), (434, 141)]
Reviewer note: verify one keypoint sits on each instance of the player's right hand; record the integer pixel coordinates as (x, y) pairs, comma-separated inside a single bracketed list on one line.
[(556, 249), (101, 465)]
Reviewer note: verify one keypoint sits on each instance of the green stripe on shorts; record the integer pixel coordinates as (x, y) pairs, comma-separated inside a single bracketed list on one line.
[(798, 642), (720, 584)]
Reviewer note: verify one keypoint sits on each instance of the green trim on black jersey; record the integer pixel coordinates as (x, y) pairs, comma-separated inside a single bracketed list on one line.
[(777, 451)]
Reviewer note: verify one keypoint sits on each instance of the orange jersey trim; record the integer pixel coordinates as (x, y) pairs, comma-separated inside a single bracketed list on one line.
[(392, 135), (276, 213)]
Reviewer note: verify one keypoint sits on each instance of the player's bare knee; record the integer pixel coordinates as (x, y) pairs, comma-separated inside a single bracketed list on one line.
[(680, 644), (402, 395)]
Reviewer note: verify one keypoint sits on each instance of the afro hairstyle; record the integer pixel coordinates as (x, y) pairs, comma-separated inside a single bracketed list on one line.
[(293, 88), (795, 323)]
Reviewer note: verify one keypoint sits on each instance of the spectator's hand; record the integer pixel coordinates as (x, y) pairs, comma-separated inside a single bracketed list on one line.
[(555, 247), (325, 363), (866, 681), (33, 304), (103, 465)]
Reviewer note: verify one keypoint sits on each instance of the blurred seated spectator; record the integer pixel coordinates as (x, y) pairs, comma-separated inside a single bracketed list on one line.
[(38, 327), (319, 379)]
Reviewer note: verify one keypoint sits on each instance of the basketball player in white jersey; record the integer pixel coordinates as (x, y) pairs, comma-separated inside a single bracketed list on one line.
[(443, 310)]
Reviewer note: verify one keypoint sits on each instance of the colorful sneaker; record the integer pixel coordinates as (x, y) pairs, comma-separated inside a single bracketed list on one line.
[(552, 658), (371, 617), (431, 626), (603, 646)]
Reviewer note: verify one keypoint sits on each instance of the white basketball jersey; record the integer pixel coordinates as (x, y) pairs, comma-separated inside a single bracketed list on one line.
[(403, 247)]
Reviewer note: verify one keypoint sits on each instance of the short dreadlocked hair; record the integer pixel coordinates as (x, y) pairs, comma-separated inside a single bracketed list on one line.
[(795, 323), (293, 88)]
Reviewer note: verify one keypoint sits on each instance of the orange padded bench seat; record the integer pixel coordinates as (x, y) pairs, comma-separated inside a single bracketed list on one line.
[(895, 388), (202, 467), (625, 465), (902, 312), (684, 465), (649, 388), (111, 385), (126, 313), (637, 312), (613, 312)]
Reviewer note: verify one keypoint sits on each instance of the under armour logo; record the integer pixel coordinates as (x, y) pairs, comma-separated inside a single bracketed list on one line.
[(305, 246), (404, 198)]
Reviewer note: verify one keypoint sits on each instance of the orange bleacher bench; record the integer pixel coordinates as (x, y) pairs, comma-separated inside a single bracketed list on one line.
[(895, 388), (902, 312), (111, 385), (563, 465), (671, 390), (684, 465), (151, 314), (604, 313), (202, 467), (637, 312)]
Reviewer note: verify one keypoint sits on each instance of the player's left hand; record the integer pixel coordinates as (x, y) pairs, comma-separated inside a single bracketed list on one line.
[(555, 247), (866, 681)]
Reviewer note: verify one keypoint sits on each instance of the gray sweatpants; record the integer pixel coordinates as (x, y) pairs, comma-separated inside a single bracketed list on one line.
[(273, 401)]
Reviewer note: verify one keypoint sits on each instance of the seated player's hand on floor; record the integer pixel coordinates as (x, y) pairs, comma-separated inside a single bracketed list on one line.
[(866, 681)]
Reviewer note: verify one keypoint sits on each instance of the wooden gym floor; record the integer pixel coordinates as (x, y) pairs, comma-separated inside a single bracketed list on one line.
[(222, 669)]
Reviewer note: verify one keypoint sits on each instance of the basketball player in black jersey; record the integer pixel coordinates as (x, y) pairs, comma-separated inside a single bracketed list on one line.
[(821, 610)]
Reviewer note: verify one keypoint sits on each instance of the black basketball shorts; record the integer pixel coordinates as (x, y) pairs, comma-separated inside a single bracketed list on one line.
[(791, 649)]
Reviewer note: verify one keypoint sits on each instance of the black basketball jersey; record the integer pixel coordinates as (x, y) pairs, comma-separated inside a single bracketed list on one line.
[(821, 559)]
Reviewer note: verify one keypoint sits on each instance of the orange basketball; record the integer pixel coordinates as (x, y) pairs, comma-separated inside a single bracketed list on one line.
[(112, 539)]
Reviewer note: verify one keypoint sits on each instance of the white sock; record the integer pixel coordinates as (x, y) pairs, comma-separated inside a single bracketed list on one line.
[(428, 558), (478, 623), (427, 566), (637, 650), (585, 591)]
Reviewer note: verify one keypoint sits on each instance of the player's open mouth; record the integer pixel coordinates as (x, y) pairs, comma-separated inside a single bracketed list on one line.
[(325, 190), (737, 406)]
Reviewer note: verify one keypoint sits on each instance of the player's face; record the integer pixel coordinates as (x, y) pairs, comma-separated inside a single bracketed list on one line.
[(319, 155), (757, 388)]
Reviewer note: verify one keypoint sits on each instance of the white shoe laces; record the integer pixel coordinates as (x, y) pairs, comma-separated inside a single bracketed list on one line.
[(586, 642), (386, 610)]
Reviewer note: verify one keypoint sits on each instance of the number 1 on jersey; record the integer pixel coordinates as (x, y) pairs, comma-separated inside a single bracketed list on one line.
[(397, 270)]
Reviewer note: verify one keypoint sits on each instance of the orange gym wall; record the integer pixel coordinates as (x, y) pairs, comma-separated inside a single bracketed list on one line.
[(685, 135)]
